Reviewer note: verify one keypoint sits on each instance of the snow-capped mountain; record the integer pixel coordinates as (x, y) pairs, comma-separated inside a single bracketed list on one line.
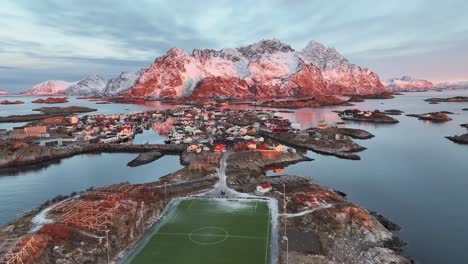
[(91, 85), (267, 68), (409, 84), (52, 87), (453, 85), (3, 92), (340, 75), (121, 83)]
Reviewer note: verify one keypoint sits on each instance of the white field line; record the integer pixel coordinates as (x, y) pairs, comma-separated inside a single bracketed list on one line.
[(267, 235), (208, 235)]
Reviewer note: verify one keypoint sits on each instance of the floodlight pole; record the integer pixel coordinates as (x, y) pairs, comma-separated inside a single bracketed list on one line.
[(107, 245), (142, 210), (285, 233), (165, 192)]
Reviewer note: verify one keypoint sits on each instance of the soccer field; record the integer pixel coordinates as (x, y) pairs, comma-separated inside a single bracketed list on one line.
[(211, 232)]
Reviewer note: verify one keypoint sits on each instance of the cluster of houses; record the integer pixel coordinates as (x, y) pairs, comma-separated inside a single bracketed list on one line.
[(201, 128), (355, 113), (61, 130)]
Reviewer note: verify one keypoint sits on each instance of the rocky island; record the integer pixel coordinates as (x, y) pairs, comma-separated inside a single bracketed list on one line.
[(367, 116), (314, 102), (328, 141), (456, 99), (393, 112), (434, 116), (461, 139), (361, 97), (7, 102), (51, 100), (46, 112)]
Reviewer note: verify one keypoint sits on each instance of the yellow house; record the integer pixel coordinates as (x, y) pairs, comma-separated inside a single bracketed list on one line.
[(280, 147)]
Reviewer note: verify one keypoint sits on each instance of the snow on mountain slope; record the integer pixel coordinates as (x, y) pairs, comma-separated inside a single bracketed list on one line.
[(53, 87), (341, 76), (91, 85), (409, 84), (121, 83), (267, 68), (453, 85), (3, 92)]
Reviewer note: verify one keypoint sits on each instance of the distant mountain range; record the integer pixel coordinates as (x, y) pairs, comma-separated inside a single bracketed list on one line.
[(90, 85), (3, 92), (268, 68), (409, 84)]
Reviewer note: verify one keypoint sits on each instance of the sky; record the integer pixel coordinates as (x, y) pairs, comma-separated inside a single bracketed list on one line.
[(69, 39)]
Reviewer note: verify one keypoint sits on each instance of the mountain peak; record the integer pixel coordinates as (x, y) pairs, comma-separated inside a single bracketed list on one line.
[(51, 87), (92, 84), (3, 92), (408, 84), (265, 46)]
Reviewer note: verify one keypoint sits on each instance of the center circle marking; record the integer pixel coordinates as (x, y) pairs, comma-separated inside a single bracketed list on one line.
[(207, 232)]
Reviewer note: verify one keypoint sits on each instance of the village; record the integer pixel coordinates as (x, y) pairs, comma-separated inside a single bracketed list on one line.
[(201, 129)]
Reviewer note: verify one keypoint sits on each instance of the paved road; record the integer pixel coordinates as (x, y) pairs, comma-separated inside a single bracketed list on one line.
[(221, 189)]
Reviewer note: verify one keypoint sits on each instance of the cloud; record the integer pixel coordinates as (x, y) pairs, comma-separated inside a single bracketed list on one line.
[(74, 36)]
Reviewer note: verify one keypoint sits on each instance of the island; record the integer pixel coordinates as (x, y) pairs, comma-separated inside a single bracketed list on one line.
[(393, 112), (461, 139), (456, 99), (314, 102), (51, 100), (46, 112), (433, 116), (359, 97), (7, 102), (366, 116)]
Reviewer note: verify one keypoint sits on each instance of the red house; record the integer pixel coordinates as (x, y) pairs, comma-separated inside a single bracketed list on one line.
[(220, 148)]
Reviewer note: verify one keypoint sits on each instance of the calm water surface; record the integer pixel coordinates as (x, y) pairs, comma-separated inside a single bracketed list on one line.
[(409, 173)]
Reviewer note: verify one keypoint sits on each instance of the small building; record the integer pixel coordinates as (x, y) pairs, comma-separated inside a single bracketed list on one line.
[(280, 148), (192, 148), (220, 148), (251, 145), (263, 188)]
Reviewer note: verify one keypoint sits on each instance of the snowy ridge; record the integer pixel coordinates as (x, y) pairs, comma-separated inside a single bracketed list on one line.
[(52, 87), (409, 84), (121, 83), (91, 85), (3, 92), (268, 67), (453, 85)]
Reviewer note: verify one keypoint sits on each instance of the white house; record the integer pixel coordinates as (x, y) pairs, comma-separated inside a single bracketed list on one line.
[(263, 188)]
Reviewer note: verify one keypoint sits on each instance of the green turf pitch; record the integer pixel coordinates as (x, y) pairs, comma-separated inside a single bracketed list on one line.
[(211, 232)]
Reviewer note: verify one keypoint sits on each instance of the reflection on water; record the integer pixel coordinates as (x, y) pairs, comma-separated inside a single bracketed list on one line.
[(30, 189)]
